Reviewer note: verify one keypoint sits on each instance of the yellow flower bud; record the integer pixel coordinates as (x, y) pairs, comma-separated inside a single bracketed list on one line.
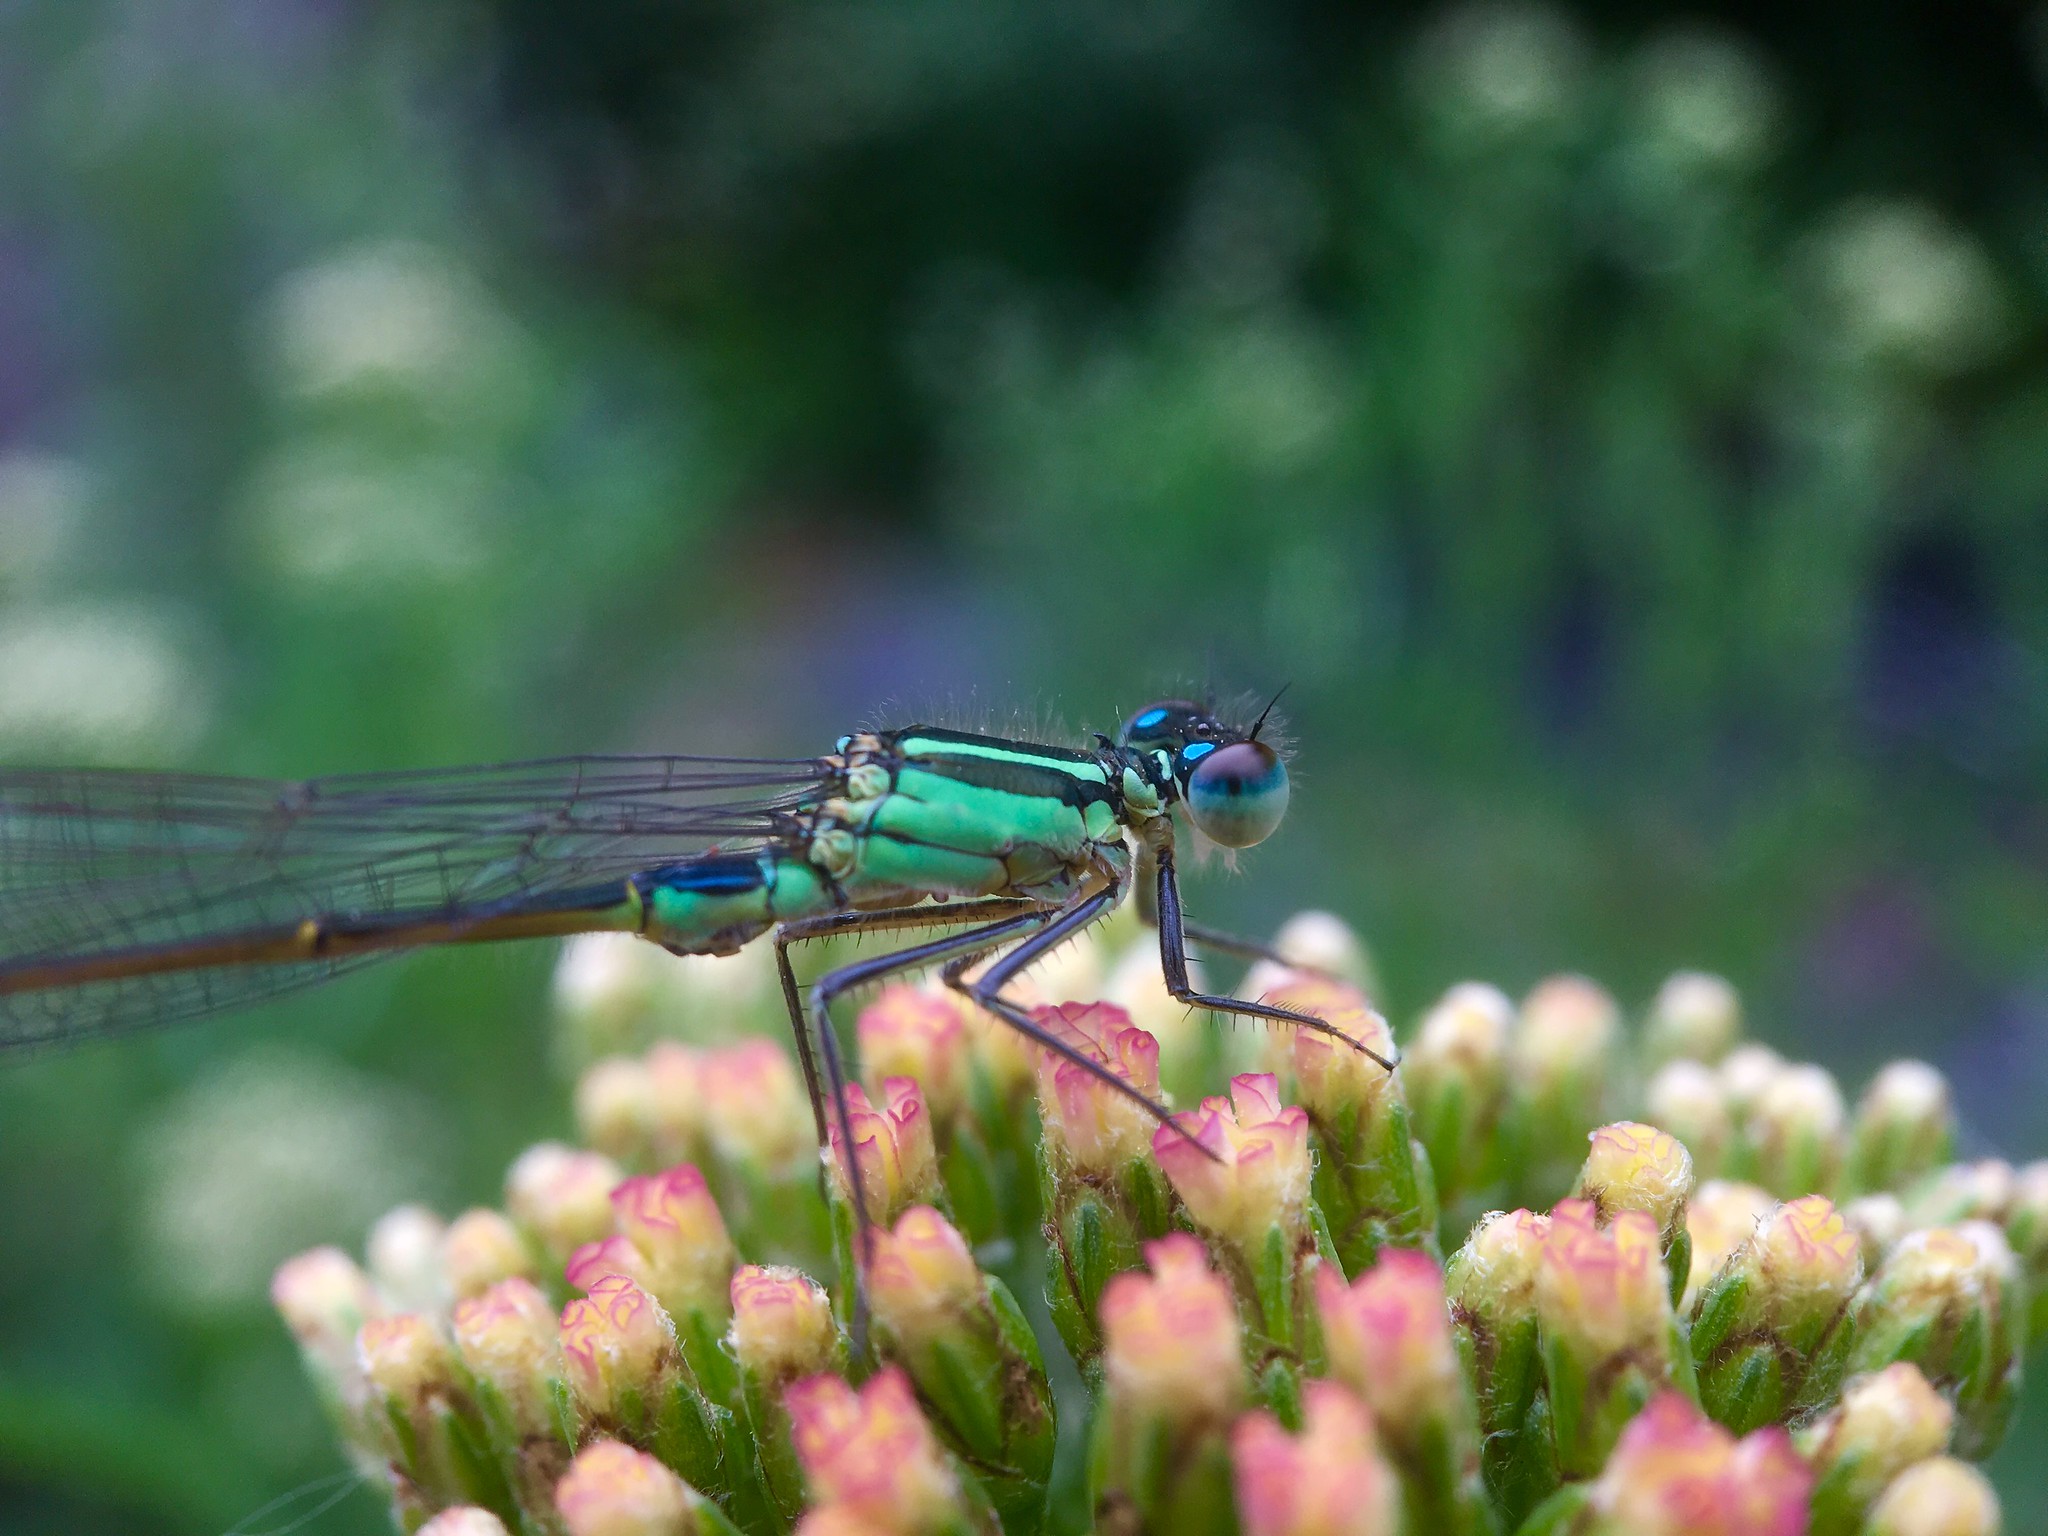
[(1634, 1167), (1696, 1017), (481, 1248), (1882, 1424), (1329, 1480), (613, 1490), (404, 1251), (922, 1275), (1721, 1218), (1937, 1497), (782, 1324), (1242, 1167), (872, 1452), (562, 1197), (917, 1033), (1602, 1291), (1171, 1337), (614, 1106)]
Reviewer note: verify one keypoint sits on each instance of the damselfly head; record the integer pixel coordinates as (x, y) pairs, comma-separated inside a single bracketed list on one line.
[(1234, 785)]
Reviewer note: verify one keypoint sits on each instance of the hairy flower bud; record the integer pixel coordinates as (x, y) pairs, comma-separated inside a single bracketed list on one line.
[(404, 1252), (782, 1324), (614, 1105), (1771, 1331), (404, 1357), (676, 1113), (921, 1275), (613, 1490), (1635, 1167), (756, 1112), (507, 1339), (1456, 1077), (872, 1451), (1327, 1481), (1878, 1221), (1560, 1059), (1609, 1340), (1098, 1128), (1695, 1017), (1688, 1100), (325, 1298), (1945, 1300), (917, 1033), (1721, 1217), (1173, 1349), (893, 1148), (1940, 1496), (562, 1197), (1797, 1132), (1674, 1473), (463, 1520), (1882, 1424), (609, 1256), (482, 1247), (1388, 1334), (1745, 1072), (672, 1220), (615, 1343), (1389, 1338), (1241, 1164), (1317, 943), (1905, 1126), (1174, 1376)]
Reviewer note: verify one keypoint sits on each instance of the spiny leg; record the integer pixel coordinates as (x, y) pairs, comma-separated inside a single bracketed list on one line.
[(986, 991), (971, 944), (1173, 962), (879, 920)]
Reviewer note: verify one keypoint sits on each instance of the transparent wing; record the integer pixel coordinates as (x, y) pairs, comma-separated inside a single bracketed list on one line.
[(95, 861)]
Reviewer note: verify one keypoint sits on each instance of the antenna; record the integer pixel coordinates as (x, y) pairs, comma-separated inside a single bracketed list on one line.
[(1259, 724)]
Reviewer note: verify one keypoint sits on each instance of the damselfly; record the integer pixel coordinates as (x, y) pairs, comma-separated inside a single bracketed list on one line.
[(130, 899)]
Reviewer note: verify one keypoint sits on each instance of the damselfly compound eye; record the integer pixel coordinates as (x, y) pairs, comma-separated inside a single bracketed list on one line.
[(1236, 794)]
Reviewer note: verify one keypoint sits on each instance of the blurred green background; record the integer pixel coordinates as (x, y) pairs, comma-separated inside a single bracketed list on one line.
[(1627, 432)]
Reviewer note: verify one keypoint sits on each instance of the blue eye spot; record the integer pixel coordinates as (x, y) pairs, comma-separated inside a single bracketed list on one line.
[(1196, 751), (1150, 718)]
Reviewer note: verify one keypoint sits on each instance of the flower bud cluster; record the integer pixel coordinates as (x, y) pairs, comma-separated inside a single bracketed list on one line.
[(1689, 1291)]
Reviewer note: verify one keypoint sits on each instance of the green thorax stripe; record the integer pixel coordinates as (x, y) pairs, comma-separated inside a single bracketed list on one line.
[(1011, 767)]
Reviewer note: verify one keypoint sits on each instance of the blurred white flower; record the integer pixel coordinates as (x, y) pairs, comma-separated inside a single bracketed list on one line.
[(399, 315), (1492, 72), (1904, 284), (1275, 391), (43, 503), (1703, 101), (327, 514), (276, 1152), (98, 681), (1252, 219)]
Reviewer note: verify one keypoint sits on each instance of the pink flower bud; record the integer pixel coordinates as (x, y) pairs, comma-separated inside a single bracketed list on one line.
[(755, 1110), (325, 1298), (463, 1520), (1602, 1290), (1327, 1481), (507, 1337), (1566, 1030), (561, 1196), (1940, 1496), (1720, 1219), (404, 1254), (1250, 1171), (1332, 1076), (613, 1490), (614, 1342), (614, 1105), (1676, 1473), (1389, 1339), (782, 1324), (608, 1256), (405, 1358), (922, 1274), (1171, 1337), (1098, 1128), (482, 1247), (675, 1099), (871, 1451), (672, 1219), (918, 1033), (893, 1147)]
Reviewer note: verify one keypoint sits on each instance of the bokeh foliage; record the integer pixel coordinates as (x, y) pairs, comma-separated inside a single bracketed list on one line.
[(1627, 438)]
